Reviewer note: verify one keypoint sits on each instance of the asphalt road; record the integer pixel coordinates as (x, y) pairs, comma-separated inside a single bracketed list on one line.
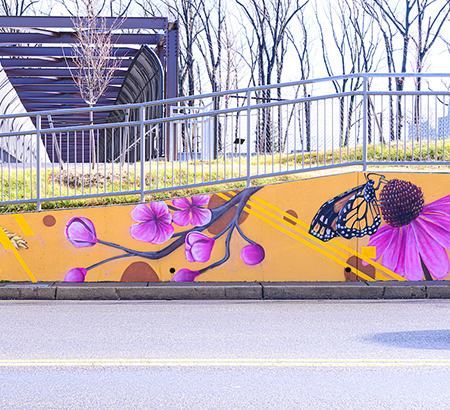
[(225, 355)]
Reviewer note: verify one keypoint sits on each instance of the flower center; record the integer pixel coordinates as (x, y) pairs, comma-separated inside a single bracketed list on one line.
[(401, 202)]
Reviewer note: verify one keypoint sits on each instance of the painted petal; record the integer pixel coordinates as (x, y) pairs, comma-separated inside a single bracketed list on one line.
[(439, 219), (437, 232), (413, 266), (81, 232), (185, 275), (201, 251), (182, 203), (200, 216), (200, 200), (163, 233), (142, 213), (381, 239), (160, 210), (400, 269), (433, 255), (393, 250), (144, 232), (188, 255), (198, 247), (194, 236), (181, 218)]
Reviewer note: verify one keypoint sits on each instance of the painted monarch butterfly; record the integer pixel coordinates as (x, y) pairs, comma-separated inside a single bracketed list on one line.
[(354, 213)]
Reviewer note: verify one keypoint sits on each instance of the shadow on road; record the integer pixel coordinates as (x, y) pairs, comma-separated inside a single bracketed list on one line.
[(421, 339)]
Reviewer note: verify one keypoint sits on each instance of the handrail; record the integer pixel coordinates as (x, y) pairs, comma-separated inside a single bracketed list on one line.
[(253, 136), (223, 93)]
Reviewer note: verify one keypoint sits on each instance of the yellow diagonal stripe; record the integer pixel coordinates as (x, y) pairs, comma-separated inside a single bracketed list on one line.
[(23, 224), (7, 244), (312, 238), (341, 245), (302, 240)]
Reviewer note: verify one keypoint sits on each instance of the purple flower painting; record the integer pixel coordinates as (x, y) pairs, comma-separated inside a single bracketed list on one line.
[(185, 275), (81, 232), (155, 223), (191, 212), (198, 247), (415, 234), (252, 254), (75, 275)]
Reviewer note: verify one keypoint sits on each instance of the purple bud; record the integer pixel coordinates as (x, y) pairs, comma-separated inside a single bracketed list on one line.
[(75, 275), (198, 247), (185, 275), (81, 232), (253, 254)]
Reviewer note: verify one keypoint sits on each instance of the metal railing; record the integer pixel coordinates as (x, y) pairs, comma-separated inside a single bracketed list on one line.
[(260, 132)]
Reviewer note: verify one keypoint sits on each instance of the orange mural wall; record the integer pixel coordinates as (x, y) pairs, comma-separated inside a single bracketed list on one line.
[(355, 226)]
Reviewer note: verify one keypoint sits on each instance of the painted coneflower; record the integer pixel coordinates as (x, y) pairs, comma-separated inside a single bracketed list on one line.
[(416, 236)]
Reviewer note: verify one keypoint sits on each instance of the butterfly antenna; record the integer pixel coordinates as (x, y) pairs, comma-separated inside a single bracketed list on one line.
[(382, 179)]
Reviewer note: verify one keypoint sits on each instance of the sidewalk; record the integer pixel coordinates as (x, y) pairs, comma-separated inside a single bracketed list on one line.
[(224, 290)]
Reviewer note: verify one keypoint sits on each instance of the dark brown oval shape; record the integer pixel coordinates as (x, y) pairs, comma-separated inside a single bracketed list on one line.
[(49, 220), (218, 226), (139, 272)]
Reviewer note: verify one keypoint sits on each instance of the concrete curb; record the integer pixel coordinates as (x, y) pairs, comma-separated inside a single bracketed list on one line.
[(225, 290)]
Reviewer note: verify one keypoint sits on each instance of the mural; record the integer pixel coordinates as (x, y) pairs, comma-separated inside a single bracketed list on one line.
[(381, 229), (355, 213), (155, 225)]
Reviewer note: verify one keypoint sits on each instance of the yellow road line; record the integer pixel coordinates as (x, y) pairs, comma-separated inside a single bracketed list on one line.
[(341, 245), (23, 224), (224, 363), (7, 244), (302, 240)]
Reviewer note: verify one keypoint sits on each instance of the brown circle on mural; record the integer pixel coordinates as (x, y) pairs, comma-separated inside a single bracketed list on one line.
[(357, 263), (49, 220), (218, 226), (293, 213), (139, 272)]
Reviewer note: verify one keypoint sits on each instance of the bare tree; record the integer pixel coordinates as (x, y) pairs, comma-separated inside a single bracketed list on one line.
[(400, 16), (211, 52), (93, 57), (406, 18), (17, 7), (355, 43), (269, 21), (113, 8), (428, 30), (303, 54)]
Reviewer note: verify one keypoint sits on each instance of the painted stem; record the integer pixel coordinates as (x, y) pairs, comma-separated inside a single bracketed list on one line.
[(240, 200)]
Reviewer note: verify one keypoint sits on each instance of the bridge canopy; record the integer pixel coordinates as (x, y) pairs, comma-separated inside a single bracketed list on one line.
[(36, 53)]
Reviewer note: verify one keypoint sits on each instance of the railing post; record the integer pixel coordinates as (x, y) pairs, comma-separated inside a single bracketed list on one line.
[(249, 156), (365, 105), (142, 135), (38, 162)]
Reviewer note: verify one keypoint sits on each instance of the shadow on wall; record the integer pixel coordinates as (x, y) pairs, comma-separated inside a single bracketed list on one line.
[(420, 339)]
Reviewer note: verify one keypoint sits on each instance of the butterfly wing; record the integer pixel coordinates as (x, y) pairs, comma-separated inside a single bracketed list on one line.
[(324, 224), (360, 216)]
